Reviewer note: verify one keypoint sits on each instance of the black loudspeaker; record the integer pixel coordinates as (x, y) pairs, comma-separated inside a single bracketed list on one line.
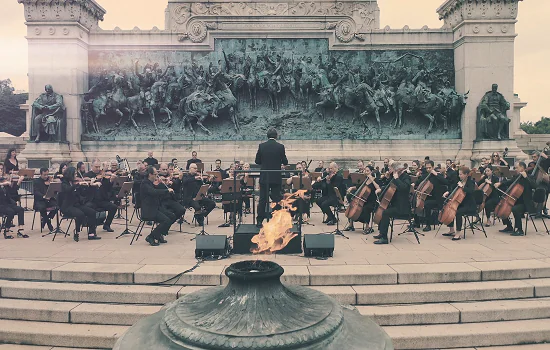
[(319, 245), (244, 233), (215, 245)]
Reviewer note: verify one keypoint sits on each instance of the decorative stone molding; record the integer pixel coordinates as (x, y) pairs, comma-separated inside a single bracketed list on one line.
[(455, 12), (365, 14), (86, 12)]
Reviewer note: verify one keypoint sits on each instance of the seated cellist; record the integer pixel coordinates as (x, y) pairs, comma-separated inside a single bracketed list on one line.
[(370, 203), (468, 204), (435, 200), (523, 204)]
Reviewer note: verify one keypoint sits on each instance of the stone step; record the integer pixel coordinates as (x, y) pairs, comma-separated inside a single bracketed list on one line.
[(469, 312), (35, 347), (60, 334), (470, 334)]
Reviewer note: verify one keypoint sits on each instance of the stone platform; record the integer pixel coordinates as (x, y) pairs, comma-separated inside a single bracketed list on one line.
[(439, 294)]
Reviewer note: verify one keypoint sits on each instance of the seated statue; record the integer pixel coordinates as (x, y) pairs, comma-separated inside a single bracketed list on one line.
[(492, 115), (47, 112)]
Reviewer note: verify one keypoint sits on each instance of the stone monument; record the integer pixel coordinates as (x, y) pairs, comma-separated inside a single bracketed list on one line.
[(48, 116), (324, 72)]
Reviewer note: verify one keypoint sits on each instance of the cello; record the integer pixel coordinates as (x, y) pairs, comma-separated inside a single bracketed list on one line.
[(453, 201), (509, 198), (385, 199), (487, 189), (354, 210), (421, 194)]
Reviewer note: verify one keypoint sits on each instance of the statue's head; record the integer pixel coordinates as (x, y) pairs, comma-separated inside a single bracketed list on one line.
[(49, 89), (309, 60), (494, 87)]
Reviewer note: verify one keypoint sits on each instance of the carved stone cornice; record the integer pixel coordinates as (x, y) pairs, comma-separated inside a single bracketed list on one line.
[(454, 12), (86, 12), (365, 14)]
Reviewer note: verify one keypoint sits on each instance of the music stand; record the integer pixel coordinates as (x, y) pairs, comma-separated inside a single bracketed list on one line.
[(337, 231), (52, 192), (216, 175), (200, 167), (118, 183), (203, 192), (28, 176), (357, 179), (345, 174), (123, 194), (477, 176)]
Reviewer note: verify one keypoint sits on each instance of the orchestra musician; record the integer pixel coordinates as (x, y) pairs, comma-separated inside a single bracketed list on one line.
[(193, 160), (491, 202), (497, 161), (248, 190), (452, 174), (320, 167), (11, 164), (435, 200), (150, 160), (544, 164), (368, 205), (101, 195), (62, 168), (523, 204), (399, 205), (271, 155), (301, 204), (329, 199), (9, 208), (169, 202), (71, 203), (468, 204), (41, 204), (151, 208), (191, 184)]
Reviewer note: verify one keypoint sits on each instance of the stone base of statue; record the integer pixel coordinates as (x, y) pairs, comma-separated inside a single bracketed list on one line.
[(484, 148), (49, 153)]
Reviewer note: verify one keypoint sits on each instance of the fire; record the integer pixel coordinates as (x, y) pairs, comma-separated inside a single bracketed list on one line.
[(275, 234)]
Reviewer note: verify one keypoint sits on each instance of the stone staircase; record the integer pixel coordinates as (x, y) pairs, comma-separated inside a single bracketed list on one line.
[(437, 306)]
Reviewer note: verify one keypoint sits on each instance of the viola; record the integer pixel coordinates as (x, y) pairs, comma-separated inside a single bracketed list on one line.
[(421, 194), (509, 199), (355, 208), (385, 199), (448, 213)]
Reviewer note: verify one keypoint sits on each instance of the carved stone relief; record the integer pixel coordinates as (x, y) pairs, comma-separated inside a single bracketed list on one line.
[(85, 12)]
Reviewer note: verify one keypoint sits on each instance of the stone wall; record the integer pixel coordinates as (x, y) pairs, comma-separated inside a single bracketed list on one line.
[(529, 143), (7, 142)]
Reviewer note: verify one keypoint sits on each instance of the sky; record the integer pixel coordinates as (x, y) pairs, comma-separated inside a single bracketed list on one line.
[(532, 71)]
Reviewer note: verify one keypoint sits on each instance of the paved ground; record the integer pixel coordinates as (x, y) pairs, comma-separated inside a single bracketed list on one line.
[(357, 250)]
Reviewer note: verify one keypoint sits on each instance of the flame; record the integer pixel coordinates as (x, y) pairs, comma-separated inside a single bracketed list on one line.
[(275, 234)]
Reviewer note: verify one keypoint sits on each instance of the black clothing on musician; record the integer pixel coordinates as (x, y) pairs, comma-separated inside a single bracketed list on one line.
[(319, 170), (399, 205), (524, 204), (151, 209), (492, 201), (192, 161), (191, 187), (70, 205), (9, 208), (270, 156), (435, 200), (169, 202), (452, 176), (42, 204), (468, 205), (368, 206), (330, 199), (101, 198), (9, 166), (151, 161)]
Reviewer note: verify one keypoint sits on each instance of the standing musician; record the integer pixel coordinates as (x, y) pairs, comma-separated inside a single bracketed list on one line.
[(435, 199), (169, 201), (41, 204), (150, 160), (491, 202), (271, 155), (72, 205), (386, 167), (485, 163), (11, 164), (9, 208), (497, 161), (320, 167), (329, 198), (400, 205), (301, 204), (452, 174), (102, 194), (369, 204), (468, 204), (191, 184), (151, 208), (523, 204), (193, 160)]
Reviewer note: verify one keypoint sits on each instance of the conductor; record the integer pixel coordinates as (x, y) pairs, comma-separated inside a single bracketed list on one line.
[(270, 156)]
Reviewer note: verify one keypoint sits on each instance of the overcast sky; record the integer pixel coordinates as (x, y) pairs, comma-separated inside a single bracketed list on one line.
[(532, 72)]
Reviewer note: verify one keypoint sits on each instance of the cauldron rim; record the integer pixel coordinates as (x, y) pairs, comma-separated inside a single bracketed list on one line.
[(254, 270)]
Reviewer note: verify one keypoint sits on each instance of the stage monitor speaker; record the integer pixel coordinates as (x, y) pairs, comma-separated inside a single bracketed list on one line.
[(320, 245), (215, 245)]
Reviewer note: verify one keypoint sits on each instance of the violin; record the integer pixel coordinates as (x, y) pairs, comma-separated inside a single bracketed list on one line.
[(386, 197), (509, 199), (453, 201), (355, 208), (423, 191)]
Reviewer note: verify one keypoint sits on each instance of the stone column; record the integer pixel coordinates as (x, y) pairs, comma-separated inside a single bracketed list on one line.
[(57, 35), (484, 34)]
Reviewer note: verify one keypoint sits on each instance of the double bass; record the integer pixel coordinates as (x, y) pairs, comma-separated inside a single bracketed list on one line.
[(385, 199), (509, 199), (354, 210), (453, 201)]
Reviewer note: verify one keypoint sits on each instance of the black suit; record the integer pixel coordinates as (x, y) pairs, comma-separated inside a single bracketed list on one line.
[(101, 198), (525, 201), (330, 198), (40, 203), (70, 204), (191, 187), (9, 208), (399, 205), (151, 209), (270, 156)]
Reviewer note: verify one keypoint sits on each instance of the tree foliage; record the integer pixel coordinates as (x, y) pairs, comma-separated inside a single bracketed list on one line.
[(540, 127), (12, 118)]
